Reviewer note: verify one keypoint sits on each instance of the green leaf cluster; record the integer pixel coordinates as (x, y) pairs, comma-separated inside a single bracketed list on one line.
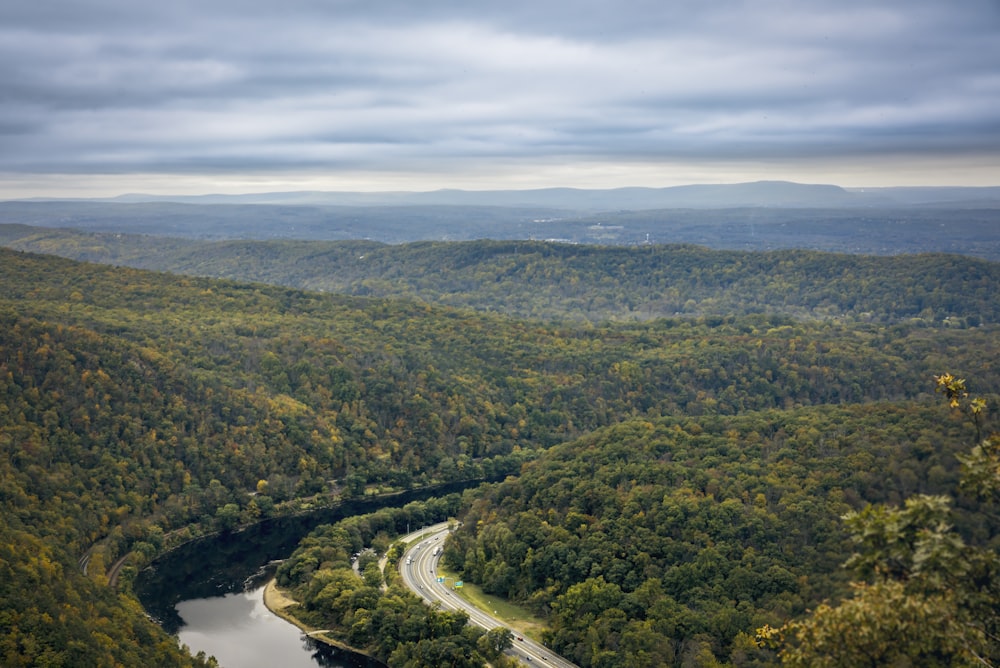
[(923, 595)]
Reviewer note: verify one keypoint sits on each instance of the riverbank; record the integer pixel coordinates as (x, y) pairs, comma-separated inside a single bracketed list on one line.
[(278, 602)]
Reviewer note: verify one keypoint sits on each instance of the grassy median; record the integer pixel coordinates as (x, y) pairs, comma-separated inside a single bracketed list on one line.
[(514, 616)]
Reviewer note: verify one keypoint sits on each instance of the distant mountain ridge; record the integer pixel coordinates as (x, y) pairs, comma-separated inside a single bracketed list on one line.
[(774, 194)]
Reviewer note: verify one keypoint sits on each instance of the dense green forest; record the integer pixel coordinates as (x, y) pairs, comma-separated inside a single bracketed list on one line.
[(375, 612), (670, 537), (577, 282), (141, 408), (669, 541)]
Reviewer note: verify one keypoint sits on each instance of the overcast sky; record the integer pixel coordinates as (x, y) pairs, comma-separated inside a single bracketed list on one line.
[(101, 97)]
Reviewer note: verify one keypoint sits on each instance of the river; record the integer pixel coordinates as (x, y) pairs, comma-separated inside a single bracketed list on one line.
[(209, 592), (239, 631)]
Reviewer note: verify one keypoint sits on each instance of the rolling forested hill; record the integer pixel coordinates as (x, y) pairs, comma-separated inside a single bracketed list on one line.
[(140, 407), (662, 541), (595, 283), (676, 538)]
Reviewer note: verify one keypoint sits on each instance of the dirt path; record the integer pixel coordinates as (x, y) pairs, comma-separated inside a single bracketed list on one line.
[(116, 569), (278, 601)]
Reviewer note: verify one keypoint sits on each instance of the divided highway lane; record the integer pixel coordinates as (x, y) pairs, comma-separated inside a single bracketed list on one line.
[(418, 566)]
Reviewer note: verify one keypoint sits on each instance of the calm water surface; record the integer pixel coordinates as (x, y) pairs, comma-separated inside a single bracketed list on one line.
[(241, 632), (209, 592)]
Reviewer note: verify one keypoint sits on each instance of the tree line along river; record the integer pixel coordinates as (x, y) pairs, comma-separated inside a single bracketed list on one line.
[(208, 592)]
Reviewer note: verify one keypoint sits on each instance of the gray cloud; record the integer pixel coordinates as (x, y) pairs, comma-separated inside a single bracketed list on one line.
[(224, 87)]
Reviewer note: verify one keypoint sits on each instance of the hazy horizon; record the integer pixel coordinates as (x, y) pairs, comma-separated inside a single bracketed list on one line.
[(249, 195)]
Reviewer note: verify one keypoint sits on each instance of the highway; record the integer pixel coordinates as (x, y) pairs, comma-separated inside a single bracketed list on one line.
[(418, 567)]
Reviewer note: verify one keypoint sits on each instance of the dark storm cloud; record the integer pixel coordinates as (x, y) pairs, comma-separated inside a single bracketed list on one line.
[(119, 86)]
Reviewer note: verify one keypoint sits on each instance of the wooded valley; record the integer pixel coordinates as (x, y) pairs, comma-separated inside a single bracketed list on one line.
[(682, 429)]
